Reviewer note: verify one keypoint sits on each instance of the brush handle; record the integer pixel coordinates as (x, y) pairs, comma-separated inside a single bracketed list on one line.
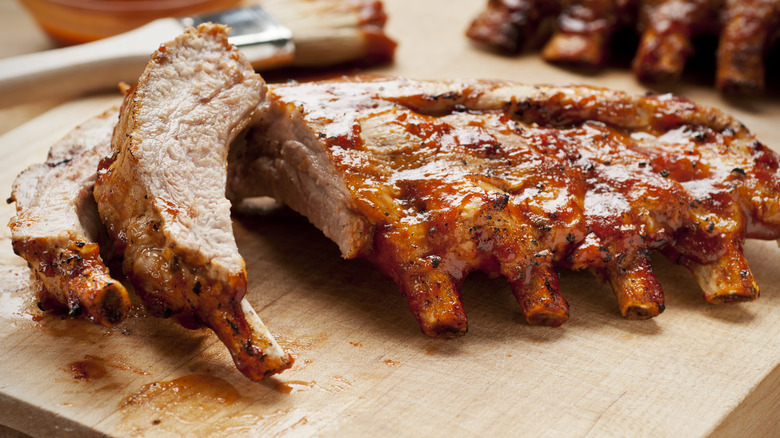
[(72, 71)]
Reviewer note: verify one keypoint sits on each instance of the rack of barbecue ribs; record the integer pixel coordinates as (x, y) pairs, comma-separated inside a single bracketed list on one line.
[(579, 32), (432, 180), (429, 180)]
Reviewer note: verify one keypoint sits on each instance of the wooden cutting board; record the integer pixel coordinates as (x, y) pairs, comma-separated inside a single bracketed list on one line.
[(362, 366)]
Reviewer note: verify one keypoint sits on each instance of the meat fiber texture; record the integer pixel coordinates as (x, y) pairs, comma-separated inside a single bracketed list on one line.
[(58, 231), (431, 180), (161, 193)]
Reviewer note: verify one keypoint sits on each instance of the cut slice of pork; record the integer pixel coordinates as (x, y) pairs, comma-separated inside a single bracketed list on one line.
[(161, 193), (58, 231)]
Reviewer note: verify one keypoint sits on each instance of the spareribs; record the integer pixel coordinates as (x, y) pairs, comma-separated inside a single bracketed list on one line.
[(431, 180), (161, 192), (579, 32), (58, 231)]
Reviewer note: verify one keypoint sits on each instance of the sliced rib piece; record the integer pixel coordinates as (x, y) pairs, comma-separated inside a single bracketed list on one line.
[(161, 192), (58, 231), (431, 180)]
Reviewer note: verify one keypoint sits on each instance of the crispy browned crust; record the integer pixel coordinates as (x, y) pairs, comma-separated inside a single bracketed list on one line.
[(74, 279)]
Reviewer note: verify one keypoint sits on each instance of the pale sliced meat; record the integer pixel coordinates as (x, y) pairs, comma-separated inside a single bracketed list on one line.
[(161, 194), (58, 231)]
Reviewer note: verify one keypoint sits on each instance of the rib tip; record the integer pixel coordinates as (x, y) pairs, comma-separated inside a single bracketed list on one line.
[(641, 311), (547, 319), (445, 329)]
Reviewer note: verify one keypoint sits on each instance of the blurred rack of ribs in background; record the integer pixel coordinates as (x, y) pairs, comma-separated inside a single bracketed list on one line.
[(581, 33)]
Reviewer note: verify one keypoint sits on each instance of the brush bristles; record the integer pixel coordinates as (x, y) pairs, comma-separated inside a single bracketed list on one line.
[(328, 32)]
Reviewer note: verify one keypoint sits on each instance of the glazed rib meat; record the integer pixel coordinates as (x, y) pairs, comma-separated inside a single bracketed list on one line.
[(433, 180), (161, 193), (57, 229), (580, 32)]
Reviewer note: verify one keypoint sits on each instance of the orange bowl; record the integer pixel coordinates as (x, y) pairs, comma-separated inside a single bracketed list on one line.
[(78, 21)]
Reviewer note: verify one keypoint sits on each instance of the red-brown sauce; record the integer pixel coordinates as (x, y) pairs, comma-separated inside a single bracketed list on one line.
[(191, 389), (96, 367), (80, 21), (91, 368)]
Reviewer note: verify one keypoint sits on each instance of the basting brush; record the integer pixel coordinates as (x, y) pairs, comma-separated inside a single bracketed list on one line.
[(272, 34)]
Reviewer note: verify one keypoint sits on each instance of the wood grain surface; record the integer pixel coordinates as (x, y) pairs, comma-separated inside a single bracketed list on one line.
[(362, 366)]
